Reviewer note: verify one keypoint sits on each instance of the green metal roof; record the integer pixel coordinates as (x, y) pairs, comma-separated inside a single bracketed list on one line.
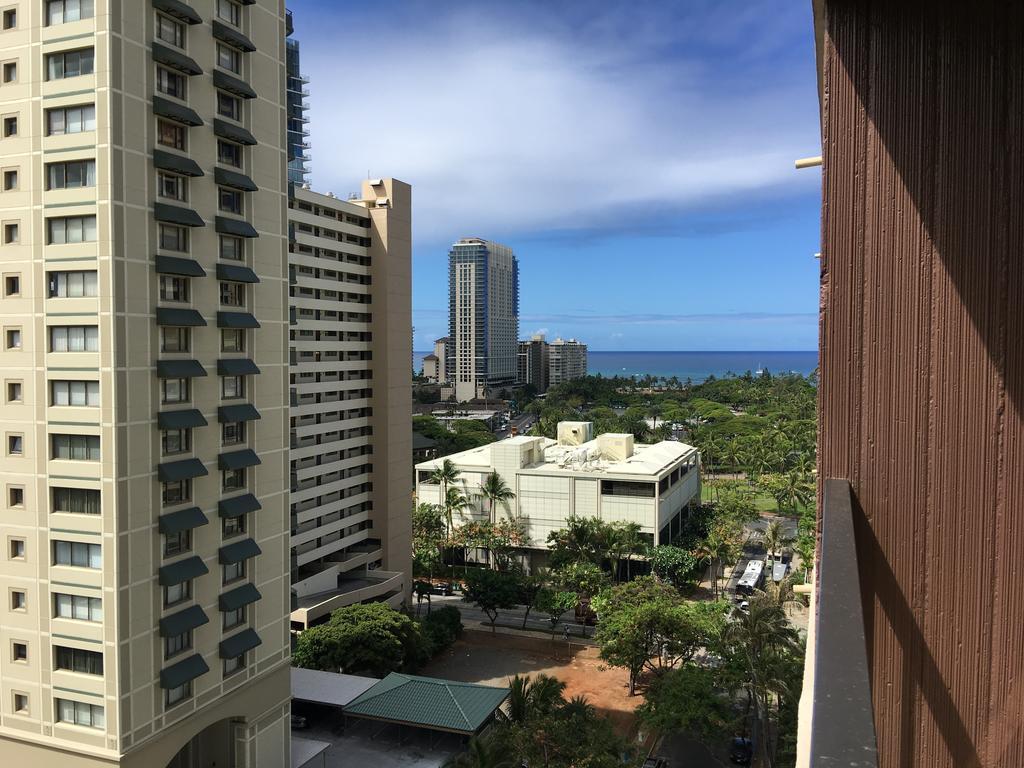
[(175, 214), (185, 419), (179, 317), (236, 320), (233, 132), (239, 551), (173, 265), (427, 702), (238, 597), (181, 622), (179, 112), (176, 59), (179, 369), (228, 226), (234, 179), (236, 272), (180, 673), (168, 161), (237, 506), (185, 469), (233, 84), (232, 37), (241, 412), (238, 644), (238, 459), (182, 520), (236, 366), (179, 9), (183, 570)]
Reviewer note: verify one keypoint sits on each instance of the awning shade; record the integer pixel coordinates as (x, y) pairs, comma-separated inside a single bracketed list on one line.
[(240, 412), (183, 570), (182, 520), (238, 644), (174, 214), (233, 84), (174, 265), (239, 551), (241, 596), (237, 506), (179, 317), (238, 459), (181, 622), (233, 132), (233, 179), (178, 674), (237, 227), (232, 36), (236, 320), (179, 369), (168, 161), (186, 419), (175, 59), (179, 10), (236, 366), (185, 469), (174, 111), (236, 273)]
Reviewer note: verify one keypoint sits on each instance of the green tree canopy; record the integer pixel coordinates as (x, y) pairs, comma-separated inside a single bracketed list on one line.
[(491, 591)]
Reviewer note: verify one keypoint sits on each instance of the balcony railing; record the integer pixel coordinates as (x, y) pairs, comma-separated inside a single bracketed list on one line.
[(837, 724)]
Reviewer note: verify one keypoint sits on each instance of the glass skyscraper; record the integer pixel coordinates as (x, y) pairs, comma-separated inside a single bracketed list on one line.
[(295, 100)]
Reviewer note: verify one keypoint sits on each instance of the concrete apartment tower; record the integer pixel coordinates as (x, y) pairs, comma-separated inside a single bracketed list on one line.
[(483, 317), (533, 362), (144, 360), (351, 482), (567, 360)]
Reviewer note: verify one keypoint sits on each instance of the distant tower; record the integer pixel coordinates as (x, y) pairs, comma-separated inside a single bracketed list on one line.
[(295, 100), (483, 317)]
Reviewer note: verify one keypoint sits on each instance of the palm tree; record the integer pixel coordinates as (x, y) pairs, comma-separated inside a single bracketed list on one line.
[(530, 698), (796, 490), (578, 706), (633, 543), (496, 491), (582, 540), (775, 539), (480, 754), (445, 476)]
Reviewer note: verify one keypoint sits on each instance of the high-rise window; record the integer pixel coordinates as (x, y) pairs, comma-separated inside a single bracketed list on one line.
[(174, 288), (71, 175), (171, 185), (77, 607), (177, 543), (170, 31), (229, 58), (233, 432), (69, 285), (177, 644), (177, 695), (62, 120), (77, 554), (232, 387), (232, 340), (74, 338), (234, 665), (174, 339), (75, 447), (229, 106), (229, 200), (170, 134), (174, 391), (171, 83), (71, 229), (177, 593), (233, 618), (232, 248), (176, 492), (233, 572), (173, 238), (233, 479), (232, 294), (75, 393), (229, 154), (230, 11), (174, 441), (65, 11), (76, 501), (80, 713), (232, 526), (60, 66), (78, 660)]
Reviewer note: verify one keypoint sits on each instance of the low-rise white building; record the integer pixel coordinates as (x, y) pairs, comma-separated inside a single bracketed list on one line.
[(609, 477)]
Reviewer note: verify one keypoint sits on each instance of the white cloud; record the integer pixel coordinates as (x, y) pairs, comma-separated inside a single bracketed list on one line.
[(511, 124)]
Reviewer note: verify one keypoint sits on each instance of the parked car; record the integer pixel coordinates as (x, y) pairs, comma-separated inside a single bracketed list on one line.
[(742, 751), (443, 588)]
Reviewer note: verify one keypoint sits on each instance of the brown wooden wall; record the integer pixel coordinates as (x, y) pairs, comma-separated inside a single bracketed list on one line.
[(922, 381)]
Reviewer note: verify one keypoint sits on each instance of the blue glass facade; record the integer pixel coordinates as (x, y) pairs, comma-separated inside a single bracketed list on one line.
[(295, 103)]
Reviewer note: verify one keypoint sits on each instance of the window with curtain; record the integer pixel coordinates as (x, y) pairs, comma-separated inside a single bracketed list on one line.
[(74, 338), (71, 175), (77, 607), (63, 120), (64, 285), (75, 393), (77, 554), (65, 64), (75, 447), (65, 11), (71, 229), (77, 501), (78, 660)]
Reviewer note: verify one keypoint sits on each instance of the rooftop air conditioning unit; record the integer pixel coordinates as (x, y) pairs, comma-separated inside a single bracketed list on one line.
[(575, 432)]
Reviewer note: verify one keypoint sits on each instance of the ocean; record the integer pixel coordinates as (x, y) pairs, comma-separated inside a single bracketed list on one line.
[(688, 365)]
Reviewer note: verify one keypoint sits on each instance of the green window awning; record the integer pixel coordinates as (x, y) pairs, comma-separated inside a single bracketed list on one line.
[(183, 621), (183, 570), (236, 320), (174, 265), (236, 273), (179, 369), (182, 520), (241, 412), (238, 644), (174, 214), (228, 83), (185, 469), (236, 227), (238, 459), (169, 161), (233, 179), (175, 59), (247, 594), (239, 551), (186, 419), (232, 36), (174, 111), (236, 366), (233, 132), (237, 506), (181, 317), (178, 674), (180, 10)]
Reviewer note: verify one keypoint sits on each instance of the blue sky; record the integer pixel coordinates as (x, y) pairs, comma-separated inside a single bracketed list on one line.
[(638, 156)]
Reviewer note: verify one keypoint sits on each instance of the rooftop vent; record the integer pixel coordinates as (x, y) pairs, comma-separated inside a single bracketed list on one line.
[(575, 432), (615, 446)]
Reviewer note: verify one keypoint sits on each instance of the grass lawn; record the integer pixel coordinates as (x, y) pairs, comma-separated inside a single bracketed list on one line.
[(762, 502)]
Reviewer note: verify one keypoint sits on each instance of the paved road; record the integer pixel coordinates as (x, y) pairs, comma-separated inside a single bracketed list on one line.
[(474, 618), (522, 423)]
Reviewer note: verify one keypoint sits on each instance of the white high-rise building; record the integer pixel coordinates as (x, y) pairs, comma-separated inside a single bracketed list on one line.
[(144, 363), (483, 317), (567, 360)]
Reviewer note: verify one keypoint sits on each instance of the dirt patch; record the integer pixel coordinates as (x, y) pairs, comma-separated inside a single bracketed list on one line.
[(480, 657)]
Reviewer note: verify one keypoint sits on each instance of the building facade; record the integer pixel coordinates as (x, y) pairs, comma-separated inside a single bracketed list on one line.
[(483, 317), (296, 91), (144, 364), (607, 476), (434, 364), (567, 360), (351, 437), (533, 363)]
